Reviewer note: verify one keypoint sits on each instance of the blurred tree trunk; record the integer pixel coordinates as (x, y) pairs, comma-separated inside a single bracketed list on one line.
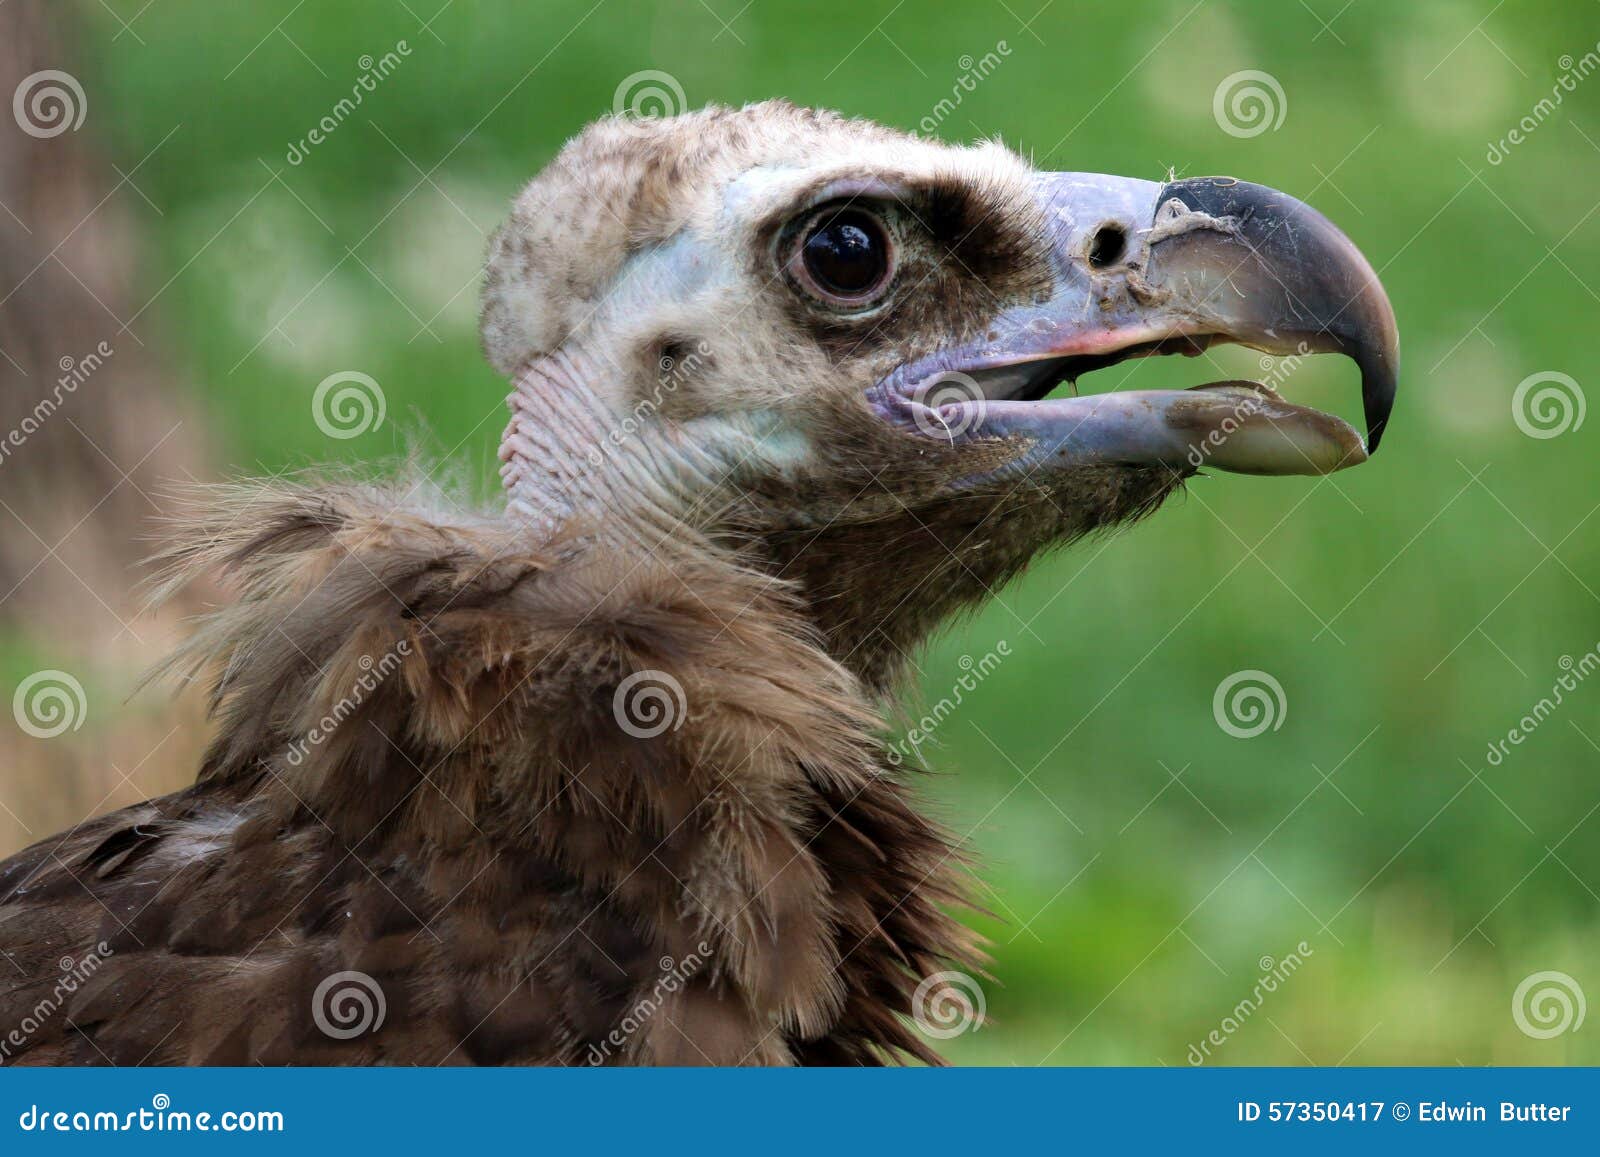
[(92, 429)]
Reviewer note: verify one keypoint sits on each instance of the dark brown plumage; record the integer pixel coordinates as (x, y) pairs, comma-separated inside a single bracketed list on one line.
[(477, 834), (601, 778)]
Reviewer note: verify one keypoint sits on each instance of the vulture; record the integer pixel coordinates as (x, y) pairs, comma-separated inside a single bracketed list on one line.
[(601, 775)]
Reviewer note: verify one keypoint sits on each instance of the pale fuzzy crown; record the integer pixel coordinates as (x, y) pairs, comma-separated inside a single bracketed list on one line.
[(622, 185)]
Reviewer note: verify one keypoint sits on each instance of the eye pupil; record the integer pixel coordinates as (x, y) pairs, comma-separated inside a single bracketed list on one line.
[(847, 254)]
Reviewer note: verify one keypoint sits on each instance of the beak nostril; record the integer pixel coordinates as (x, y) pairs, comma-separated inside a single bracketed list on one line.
[(1107, 245)]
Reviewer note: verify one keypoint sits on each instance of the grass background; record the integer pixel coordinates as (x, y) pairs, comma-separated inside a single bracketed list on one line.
[(1412, 610)]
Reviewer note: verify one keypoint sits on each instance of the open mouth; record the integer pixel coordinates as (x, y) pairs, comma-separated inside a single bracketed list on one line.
[(1237, 425), (1206, 261), (1031, 381)]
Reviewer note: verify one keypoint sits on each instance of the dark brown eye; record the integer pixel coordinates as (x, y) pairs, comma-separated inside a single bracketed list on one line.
[(846, 256)]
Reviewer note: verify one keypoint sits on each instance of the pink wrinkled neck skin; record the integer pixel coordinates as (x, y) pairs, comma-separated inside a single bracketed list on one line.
[(568, 461)]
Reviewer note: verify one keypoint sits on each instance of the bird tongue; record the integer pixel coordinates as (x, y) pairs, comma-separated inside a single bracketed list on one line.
[(1239, 426)]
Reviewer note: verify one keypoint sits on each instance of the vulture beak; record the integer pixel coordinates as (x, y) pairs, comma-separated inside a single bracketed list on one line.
[(1140, 268)]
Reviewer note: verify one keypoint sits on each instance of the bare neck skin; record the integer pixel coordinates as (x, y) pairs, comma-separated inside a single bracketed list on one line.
[(580, 473), (569, 461)]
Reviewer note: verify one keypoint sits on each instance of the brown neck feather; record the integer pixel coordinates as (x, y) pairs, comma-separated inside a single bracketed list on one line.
[(877, 590), (759, 830)]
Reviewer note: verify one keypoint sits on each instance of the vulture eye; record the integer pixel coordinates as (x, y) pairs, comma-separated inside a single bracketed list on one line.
[(846, 258)]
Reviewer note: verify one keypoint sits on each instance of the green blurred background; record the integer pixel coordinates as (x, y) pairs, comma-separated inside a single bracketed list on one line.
[(1140, 861)]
